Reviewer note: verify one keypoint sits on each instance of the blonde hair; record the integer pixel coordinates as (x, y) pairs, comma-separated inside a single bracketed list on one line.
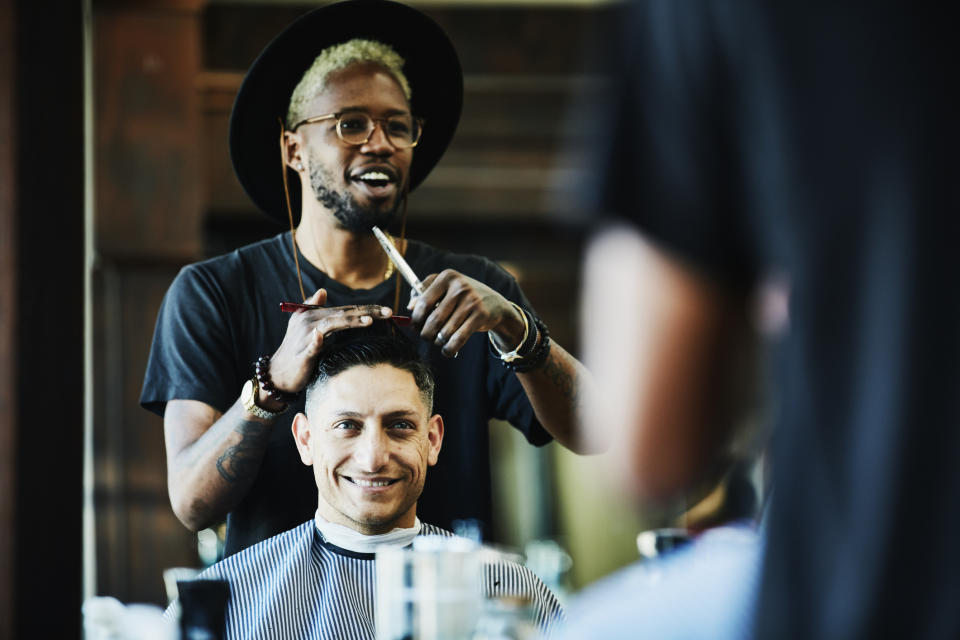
[(337, 57)]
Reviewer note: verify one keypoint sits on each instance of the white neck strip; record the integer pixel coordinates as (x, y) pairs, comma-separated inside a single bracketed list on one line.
[(347, 538)]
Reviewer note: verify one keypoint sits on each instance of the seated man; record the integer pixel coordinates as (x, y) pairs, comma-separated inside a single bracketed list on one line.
[(369, 434)]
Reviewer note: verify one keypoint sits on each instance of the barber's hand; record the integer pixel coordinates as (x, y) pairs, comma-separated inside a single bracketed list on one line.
[(454, 306), (292, 364)]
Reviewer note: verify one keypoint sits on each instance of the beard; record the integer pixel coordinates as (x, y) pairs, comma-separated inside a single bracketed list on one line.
[(350, 214)]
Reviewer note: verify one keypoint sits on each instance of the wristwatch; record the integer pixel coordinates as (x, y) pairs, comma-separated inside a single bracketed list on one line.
[(248, 397)]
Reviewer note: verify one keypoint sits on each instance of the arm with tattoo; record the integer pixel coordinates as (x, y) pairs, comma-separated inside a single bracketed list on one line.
[(554, 391), (212, 459), (242, 459)]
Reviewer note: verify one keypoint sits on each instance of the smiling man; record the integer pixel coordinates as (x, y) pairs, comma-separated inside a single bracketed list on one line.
[(369, 433), (340, 117)]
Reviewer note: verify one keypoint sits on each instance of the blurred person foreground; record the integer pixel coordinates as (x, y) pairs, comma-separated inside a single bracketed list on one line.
[(814, 141)]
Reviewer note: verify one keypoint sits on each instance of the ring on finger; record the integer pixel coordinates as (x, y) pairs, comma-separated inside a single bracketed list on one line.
[(440, 339)]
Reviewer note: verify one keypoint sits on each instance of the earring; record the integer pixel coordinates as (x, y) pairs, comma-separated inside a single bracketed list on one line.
[(299, 166)]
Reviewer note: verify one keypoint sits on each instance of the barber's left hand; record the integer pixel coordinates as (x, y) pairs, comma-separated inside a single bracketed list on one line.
[(454, 306)]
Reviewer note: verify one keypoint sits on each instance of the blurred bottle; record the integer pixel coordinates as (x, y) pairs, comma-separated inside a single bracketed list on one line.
[(469, 528), (431, 591), (203, 607), (551, 563), (210, 545), (506, 619), (173, 576), (106, 618)]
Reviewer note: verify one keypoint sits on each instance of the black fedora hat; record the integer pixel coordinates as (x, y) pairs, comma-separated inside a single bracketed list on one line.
[(431, 66)]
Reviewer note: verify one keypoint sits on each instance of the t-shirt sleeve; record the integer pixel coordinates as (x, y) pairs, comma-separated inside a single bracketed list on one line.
[(192, 355), (667, 140), (507, 394)]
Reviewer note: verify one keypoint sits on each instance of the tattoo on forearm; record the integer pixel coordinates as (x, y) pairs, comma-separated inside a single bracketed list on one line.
[(242, 459), (563, 379)]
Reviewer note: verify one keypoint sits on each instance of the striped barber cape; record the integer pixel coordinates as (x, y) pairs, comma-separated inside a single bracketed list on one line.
[(298, 585)]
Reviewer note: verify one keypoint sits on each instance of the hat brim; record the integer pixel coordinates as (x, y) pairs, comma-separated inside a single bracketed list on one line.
[(431, 66)]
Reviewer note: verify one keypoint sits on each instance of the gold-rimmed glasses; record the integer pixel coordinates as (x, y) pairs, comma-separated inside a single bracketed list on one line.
[(356, 127)]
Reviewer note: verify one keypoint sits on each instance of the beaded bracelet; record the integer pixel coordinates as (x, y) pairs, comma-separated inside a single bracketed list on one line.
[(538, 356), (263, 378)]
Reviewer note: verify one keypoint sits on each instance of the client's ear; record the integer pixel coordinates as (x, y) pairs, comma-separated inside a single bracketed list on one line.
[(435, 436), (301, 435)]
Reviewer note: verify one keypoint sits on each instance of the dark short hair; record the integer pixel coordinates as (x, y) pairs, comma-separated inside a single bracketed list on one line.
[(369, 347)]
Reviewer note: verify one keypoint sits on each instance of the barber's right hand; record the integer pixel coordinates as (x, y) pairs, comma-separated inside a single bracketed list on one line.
[(292, 364)]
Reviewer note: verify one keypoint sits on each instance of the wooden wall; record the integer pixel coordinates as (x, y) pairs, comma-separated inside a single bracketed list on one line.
[(148, 221), (166, 74)]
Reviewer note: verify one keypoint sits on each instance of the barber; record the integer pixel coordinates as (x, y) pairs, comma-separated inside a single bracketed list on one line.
[(369, 93)]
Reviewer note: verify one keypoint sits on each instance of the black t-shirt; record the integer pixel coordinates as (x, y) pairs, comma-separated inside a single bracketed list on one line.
[(819, 140), (220, 315)]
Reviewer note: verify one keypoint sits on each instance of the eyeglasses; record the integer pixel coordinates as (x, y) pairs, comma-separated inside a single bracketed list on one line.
[(356, 128)]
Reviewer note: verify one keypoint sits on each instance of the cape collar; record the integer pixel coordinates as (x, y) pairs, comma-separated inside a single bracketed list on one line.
[(346, 538)]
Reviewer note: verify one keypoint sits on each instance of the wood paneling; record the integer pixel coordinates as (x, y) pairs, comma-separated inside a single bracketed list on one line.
[(149, 181), (523, 40), (137, 534), (147, 126)]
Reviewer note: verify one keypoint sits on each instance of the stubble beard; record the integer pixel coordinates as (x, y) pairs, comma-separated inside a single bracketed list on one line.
[(350, 214), (371, 523)]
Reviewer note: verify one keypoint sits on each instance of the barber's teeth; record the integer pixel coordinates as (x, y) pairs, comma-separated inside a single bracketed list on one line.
[(371, 483)]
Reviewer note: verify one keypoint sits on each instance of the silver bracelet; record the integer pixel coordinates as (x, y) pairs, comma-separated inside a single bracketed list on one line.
[(515, 354)]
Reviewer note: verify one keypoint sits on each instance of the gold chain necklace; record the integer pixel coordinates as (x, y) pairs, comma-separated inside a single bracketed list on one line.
[(386, 274)]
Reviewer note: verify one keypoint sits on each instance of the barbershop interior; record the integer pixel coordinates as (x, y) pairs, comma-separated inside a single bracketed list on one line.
[(749, 431)]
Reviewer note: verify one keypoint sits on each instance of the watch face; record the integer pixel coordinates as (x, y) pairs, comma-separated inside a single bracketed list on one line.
[(248, 397)]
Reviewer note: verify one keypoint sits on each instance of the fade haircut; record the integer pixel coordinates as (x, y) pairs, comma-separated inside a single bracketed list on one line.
[(335, 58), (369, 347)]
